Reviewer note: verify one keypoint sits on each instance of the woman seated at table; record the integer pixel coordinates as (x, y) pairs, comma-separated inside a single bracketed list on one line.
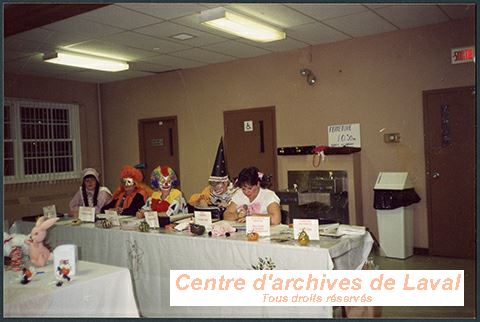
[(165, 199), (90, 194), (131, 195), (253, 198)]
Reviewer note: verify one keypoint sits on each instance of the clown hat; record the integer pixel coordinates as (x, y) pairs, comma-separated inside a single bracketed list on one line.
[(219, 171)]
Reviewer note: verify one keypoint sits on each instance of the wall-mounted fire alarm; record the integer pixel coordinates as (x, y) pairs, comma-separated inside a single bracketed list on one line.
[(391, 138)]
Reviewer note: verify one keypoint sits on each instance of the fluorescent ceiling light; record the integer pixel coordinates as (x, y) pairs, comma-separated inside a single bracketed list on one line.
[(85, 61), (239, 25)]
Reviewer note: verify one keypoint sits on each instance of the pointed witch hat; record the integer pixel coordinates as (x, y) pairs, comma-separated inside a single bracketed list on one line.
[(219, 171)]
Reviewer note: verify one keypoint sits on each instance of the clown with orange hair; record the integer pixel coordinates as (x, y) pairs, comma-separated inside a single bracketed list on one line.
[(131, 195), (165, 198)]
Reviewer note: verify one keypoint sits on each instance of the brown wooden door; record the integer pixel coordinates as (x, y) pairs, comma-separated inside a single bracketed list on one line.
[(250, 140), (450, 142), (158, 144)]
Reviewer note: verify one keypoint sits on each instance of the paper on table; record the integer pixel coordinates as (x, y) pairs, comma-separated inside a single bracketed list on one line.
[(351, 230)]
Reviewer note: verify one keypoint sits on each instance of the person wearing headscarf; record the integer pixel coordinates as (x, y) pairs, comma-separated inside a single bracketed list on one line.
[(165, 198), (90, 194), (131, 194), (220, 189)]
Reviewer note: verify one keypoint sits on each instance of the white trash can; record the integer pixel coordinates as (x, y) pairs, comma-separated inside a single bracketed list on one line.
[(393, 199)]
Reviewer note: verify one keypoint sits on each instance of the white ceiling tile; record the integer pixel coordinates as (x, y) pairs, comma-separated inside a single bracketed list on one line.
[(142, 66), (167, 29), (119, 17), (141, 41), (193, 21), (458, 11), (9, 55), (36, 35), (82, 26), (279, 45), (237, 49), (316, 33), (175, 62), (203, 56), (411, 16), (114, 51), (362, 24), (29, 47), (165, 10), (322, 11), (276, 14)]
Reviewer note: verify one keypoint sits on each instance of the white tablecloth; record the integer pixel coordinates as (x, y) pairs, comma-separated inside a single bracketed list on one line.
[(95, 291), (151, 256)]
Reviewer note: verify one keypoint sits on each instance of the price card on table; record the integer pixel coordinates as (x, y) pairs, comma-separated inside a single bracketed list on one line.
[(310, 226), (203, 218), (152, 219), (258, 224), (112, 215), (86, 214), (50, 211)]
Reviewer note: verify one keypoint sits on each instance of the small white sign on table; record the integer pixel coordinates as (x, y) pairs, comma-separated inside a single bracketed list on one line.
[(112, 215), (203, 218), (50, 212), (258, 224), (310, 226), (344, 135), (152, 219), (86, 214)]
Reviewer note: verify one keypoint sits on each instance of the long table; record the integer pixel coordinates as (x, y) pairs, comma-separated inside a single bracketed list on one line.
[(95, 291), (150, 257)]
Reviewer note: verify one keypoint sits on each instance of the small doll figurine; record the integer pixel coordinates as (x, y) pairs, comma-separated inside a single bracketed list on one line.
[(62, 272), (26, 275), (39, 254)]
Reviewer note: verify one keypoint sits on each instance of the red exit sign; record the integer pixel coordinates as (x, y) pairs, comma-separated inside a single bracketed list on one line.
[(463, 55)]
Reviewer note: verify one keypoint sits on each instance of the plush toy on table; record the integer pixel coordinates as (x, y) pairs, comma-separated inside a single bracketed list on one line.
[(39, 254), (165, 198), (220, 189)]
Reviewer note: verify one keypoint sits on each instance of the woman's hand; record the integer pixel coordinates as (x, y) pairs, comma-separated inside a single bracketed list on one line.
[(73, 213)]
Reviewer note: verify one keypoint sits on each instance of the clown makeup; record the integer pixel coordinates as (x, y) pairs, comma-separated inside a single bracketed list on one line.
[(165, 183), (219, 188), (128, 182)]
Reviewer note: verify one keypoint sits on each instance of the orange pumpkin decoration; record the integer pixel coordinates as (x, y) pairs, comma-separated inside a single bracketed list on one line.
[(252, 236)]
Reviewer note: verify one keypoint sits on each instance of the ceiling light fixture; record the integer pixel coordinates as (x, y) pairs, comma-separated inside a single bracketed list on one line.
[(311, 79), (239, 25), (85, 61)]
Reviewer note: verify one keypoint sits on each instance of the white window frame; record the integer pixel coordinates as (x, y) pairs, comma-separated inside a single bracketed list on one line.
[(16, 134)]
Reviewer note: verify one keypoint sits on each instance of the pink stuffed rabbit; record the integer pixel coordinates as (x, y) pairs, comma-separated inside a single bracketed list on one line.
[(39, 254)]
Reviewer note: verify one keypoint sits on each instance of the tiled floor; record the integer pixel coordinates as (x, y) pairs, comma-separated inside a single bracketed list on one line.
[(434, 263)]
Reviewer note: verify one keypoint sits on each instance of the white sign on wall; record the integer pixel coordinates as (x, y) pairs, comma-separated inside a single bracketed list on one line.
[(344, 135)]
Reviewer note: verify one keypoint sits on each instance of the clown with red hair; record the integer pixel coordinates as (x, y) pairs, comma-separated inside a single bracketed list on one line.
[(131, 194), (165, 198)]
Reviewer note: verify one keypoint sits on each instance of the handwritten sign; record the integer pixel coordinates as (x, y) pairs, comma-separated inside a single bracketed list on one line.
[(204, 218), (152, 219), (50, 212), (344, 135), (258, 224), (86, 214), (310, 226), (112, 215)]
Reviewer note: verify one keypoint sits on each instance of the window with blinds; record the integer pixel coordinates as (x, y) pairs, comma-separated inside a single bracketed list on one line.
[(42, 141)]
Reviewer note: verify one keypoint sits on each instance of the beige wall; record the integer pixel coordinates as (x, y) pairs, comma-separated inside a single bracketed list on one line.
[(376, 81), (29, 198)]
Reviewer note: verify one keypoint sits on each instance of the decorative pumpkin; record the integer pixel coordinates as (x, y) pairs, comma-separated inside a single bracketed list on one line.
[(252, 236), (303, 238), (76, 222), (197, 229), (144, 227), (107, 223)]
